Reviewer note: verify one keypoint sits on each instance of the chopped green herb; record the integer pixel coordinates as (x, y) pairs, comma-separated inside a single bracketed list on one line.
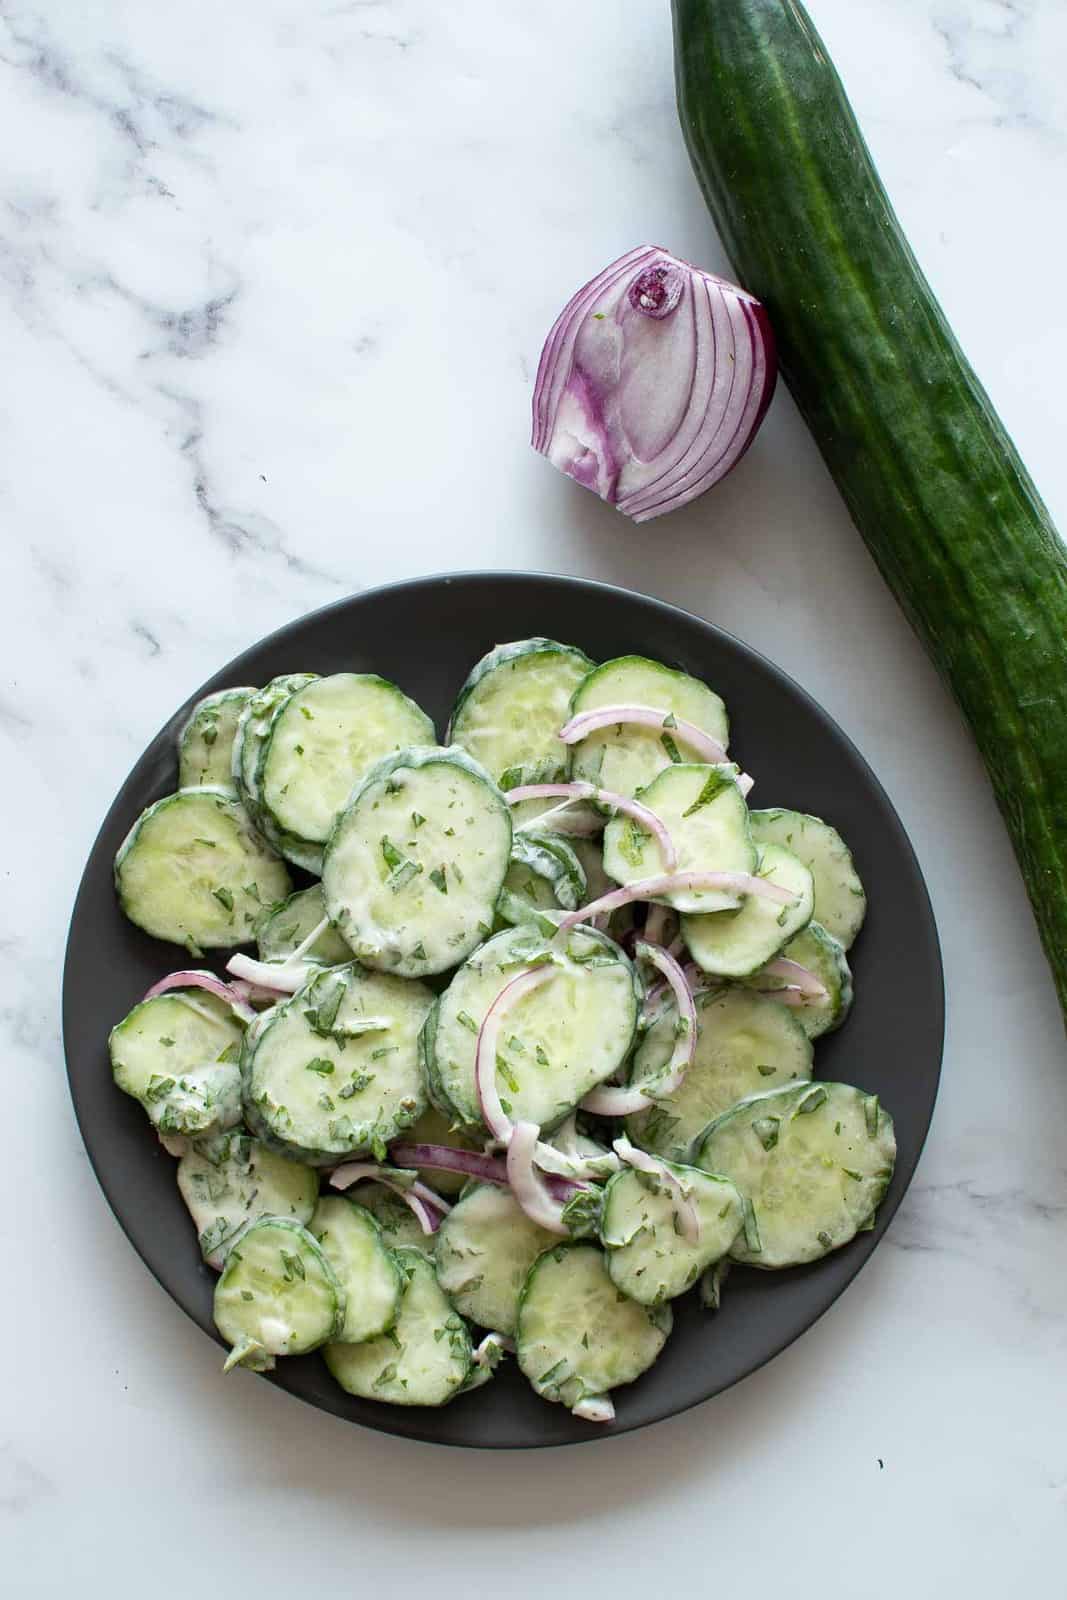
[(304, 712), (417, 819), (464, 1018), (670, 720), (230, 1053), (300, 749), (292, 1266), (403, 875), (167, 1042), (384, 1050), (507, 1074), (393, 857), (419, 952), (713, 786), (224, 898), (671, 748), (870, 1112), (320, 1065), (210, 843), (439, 881), (824, 1239)]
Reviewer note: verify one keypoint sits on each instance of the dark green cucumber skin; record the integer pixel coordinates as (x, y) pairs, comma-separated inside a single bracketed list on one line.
[(931, 478)]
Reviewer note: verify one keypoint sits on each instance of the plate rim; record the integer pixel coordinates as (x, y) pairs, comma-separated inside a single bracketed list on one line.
[(394, 1418)]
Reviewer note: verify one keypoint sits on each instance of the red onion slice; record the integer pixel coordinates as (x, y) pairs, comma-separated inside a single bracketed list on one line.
[(283, 977), (527, 1185), (427, 1206), (652, 888), (493, 1113), (796, 977), (701, 743), (609, 1101), (207, 981), (618, 802), (684, 1210)]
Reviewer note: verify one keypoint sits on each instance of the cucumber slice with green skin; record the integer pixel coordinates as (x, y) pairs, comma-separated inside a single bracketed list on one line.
[(176, 1054), (398, 1222), (252, 731), (335, 1069), (286, 926), (814, 1161), (205, 743), (484, 1249), (512, 706), (278, 1295), (323, 740), (434, 1127), (735, 944), (707, 818), (577, 1335), (423, 1361), (745, 1043), (416, 860), (647, 1257), (840, 901), (545, 875), (817, 950), (194, 871), (557, 1042), (366, 1269), (230, 1181), (628, 757)]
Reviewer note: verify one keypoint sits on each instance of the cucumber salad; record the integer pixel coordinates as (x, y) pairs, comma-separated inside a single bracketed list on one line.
[(525, 1052)]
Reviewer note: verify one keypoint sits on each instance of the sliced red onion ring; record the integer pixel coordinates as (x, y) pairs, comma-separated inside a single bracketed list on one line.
[(527, 1185), (652, 888), (207, 981), (796, 977), (253, 992), (684, 1210), (609, 1101), (493, 1113), (428, 1207), (284, 977), (486, 1168), (618, 802), (701, 743), (594, 1408)]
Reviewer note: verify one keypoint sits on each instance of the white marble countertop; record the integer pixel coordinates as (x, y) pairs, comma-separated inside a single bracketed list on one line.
[(273, 278)]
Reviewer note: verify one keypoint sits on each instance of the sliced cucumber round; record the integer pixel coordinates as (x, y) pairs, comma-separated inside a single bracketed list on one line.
[(840, 901), (648, 1258), (484, 1249), (323, 740), (545, 874), (416, 861), (512, 706), (252, 731), (627, 758), (821, 954), (177, 1055), (557, 1042), (277, 1296), (734, 944), (707, 818), (335, 1069), (577, 1336), (426, 1357), (366, 1268), (745, 1043), (194, 871), (814, 1162), (230, 1181), (286, 926), (205, 743)]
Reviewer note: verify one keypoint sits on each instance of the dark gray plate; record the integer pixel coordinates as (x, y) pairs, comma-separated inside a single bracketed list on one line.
[(425, 635)]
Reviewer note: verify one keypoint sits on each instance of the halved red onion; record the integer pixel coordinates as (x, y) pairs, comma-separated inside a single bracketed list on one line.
[(594, 1408), (682, 732), (653, 382), (527, 1184), (493, 1113), (606, 797), (684, 1210), (667, 883), (427, 1206), (795, 976), (193, 979)]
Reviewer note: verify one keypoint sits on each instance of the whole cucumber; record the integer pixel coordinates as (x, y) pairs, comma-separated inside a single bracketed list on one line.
[(931, 478)]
